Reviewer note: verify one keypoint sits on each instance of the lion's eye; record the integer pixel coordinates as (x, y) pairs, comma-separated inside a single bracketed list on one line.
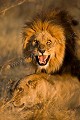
[(35, 42), (48, 42)]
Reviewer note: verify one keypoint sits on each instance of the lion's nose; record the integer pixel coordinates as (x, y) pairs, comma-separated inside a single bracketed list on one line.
[(41, 50)]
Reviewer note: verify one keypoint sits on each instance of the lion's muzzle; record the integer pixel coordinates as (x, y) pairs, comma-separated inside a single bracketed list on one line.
[(42, 59)]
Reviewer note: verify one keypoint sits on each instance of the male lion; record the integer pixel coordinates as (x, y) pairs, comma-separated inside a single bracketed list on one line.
[(49, 39)]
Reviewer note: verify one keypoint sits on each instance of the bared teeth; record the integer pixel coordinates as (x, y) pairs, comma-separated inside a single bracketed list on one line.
[(42, 58)]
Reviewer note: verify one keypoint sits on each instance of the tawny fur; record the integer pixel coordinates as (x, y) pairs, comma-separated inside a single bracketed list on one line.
[(56, 27), (44, 97)]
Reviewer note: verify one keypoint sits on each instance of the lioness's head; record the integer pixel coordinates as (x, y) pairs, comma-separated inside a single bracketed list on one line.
[(45, 41)]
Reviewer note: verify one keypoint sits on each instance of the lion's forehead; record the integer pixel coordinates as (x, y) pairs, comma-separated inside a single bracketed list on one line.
[(43, 35)]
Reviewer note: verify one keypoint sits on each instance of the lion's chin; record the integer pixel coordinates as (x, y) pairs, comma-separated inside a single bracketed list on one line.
[(42, 60)]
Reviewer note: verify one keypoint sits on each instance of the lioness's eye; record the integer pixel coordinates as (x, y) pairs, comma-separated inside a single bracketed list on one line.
[(48, 42)]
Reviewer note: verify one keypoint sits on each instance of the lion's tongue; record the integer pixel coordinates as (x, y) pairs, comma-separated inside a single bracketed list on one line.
[(42, 58)]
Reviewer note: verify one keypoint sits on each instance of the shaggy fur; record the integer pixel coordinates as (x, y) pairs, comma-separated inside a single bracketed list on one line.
[(49, 39), (44, 97)]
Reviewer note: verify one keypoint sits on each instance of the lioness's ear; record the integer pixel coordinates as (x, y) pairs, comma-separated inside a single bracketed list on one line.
[(65, 16)]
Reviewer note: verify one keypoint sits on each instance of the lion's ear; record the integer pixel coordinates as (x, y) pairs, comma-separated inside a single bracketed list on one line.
[(65, 16), (75, 22)]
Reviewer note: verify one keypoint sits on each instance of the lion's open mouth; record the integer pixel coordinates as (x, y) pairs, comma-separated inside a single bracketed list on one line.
[(42, 59)]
